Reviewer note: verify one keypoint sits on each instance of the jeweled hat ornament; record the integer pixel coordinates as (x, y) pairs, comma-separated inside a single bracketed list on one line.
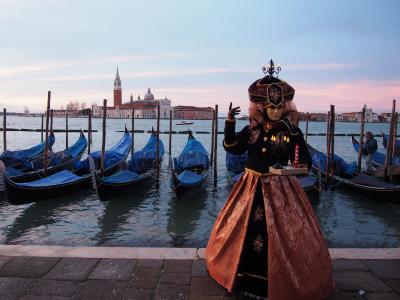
[(270, 90)]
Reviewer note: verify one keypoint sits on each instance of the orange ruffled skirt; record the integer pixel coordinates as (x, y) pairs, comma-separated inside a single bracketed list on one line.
[(299, 264)]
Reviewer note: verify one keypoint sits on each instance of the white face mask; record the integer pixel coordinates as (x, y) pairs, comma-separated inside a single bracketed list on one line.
[(275, 113)]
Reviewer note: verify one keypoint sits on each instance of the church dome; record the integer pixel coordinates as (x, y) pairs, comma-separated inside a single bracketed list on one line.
[(149, 95)]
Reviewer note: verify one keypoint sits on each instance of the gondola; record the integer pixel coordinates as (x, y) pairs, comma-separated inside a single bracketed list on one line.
[(378, 161), (235, 164), (64, 182), (62, 160), (346, 175), (191, 168), (385, 139), (17, 158), (378, 158), (140, 169)]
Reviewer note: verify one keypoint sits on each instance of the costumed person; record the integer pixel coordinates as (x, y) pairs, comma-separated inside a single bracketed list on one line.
[(266, 241), (369, 148)]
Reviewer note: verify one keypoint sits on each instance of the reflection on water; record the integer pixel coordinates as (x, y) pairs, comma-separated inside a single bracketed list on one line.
[(183, 215), (153, 216)]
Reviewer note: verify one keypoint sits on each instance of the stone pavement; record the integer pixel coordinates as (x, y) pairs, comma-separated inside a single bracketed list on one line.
[(56, 278)]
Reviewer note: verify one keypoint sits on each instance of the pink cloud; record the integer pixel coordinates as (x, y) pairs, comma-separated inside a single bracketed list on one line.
[(348, 96)]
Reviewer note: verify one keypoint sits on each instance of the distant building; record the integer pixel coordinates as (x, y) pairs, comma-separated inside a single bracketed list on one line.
[(350, 117), (117, 90), (192, 112), (144, 109), (385, 117)]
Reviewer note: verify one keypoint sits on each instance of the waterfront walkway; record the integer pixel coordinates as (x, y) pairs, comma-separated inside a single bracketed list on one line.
[(60, 273)]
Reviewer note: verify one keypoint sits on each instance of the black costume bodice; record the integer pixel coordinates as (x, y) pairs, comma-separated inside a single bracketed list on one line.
[(266, 146)]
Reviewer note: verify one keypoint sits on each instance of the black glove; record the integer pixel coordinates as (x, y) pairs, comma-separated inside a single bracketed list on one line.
[(233, 111)]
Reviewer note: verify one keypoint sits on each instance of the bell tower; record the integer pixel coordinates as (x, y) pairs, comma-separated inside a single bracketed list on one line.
[(117, 90)]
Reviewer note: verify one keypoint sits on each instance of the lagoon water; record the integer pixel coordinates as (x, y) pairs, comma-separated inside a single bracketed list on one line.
[(154, 217)]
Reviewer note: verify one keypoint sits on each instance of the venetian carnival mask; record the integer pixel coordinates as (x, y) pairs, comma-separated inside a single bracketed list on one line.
[(274, 113)]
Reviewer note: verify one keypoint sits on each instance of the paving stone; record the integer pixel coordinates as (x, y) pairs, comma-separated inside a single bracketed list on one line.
[(339, 295), (178, 265), (54, 288), (388, 269), (199, 268), (150, 263), (32, 297), (100, 289), (172, 291), (175, 278), (382, 296), (349, 264), (72, 269), (14, 288), (206, 286), (113, 269), (354, 281), (29, 267), (4, 260), (202, 297), (145, 278), (394, 284), (135, 294)]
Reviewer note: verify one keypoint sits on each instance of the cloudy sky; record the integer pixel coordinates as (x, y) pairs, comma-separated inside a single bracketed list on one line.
[(202, 53)]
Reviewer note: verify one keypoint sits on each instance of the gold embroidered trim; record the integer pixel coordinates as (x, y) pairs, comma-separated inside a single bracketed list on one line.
[(230, 145)]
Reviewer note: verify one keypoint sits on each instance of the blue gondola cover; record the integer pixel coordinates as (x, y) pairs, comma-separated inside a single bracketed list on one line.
[(20, 156), (55, 179), (193, 155), (121, 177), (143, 160), (340, 166)]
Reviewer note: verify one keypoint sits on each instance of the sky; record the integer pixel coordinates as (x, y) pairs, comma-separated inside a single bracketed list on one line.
[(200, 53)]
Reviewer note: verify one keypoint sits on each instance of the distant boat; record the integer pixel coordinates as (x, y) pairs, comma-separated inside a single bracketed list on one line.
[(184, 123)]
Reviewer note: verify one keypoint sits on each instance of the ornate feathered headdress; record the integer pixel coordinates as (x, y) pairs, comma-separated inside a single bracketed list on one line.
[(270, 90)]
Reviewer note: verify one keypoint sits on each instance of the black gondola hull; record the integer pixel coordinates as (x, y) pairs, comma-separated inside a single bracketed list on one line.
[(182, 190), (110, 190), (17, 194)]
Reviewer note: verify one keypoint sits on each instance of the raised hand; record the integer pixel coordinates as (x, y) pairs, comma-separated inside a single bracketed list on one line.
[(233, 111)]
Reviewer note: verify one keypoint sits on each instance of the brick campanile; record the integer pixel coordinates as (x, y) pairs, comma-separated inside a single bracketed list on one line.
[(117, 90)]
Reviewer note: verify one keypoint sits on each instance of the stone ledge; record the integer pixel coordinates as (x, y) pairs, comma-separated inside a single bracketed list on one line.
[(169, 253)]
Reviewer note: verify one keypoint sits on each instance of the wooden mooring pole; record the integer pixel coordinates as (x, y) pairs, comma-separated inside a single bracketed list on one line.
[(328, 146), (307, 119), (89, 129), (51, 122), (361, 140), (133, 131), (66, 129), (391, 140), (332, 144), (215, 145), (170, 139), (47, 131), (103, 142), (4, 129), (158, 147), (41, 130), (212, 138), (396, 120)]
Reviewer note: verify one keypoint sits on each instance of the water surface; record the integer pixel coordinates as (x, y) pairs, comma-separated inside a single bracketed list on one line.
[(154, 217)]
